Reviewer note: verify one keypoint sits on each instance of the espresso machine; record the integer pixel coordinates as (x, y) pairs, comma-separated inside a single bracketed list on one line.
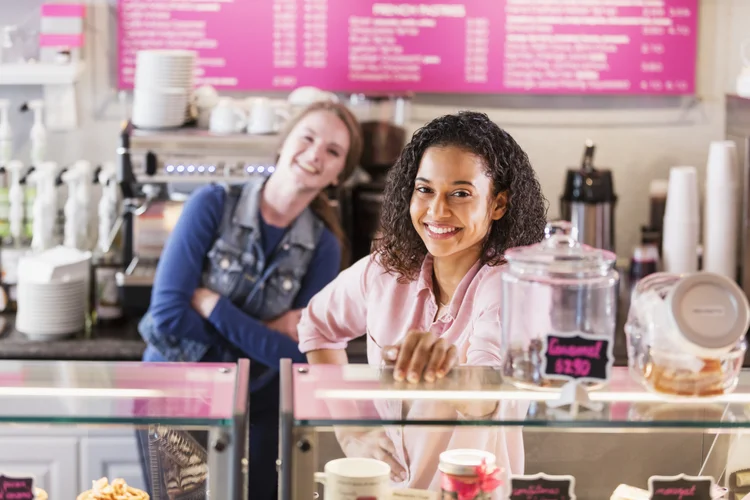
[(383, 118), (157, 171), (588, 202)]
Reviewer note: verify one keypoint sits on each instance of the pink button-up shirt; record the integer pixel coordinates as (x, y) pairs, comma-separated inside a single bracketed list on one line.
[(365, 300)]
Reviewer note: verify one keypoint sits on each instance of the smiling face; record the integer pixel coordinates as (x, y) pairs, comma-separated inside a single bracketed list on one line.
[(453, 204), (314, 153)]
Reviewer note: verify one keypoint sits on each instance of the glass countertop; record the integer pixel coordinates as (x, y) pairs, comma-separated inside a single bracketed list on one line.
[(199, 394), (360, 395)]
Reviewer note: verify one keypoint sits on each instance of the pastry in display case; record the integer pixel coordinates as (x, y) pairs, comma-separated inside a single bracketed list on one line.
[(101, 489), (738, 465), (739, 483), (352, 431), (183, 457), (626, 492), (124, 431)]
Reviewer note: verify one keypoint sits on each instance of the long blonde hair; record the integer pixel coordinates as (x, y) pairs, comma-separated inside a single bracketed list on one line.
[(321, 205)]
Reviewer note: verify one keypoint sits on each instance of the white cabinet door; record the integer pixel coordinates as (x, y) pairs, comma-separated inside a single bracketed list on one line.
[(52, 461), (111, 457)]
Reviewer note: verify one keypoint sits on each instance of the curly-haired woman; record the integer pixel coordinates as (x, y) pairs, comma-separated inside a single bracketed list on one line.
[(461, 193)]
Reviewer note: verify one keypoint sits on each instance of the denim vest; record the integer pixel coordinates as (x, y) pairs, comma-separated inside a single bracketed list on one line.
[(236, 267)]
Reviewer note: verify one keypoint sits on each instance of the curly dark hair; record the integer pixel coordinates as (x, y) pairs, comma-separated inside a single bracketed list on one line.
[(399, 247)]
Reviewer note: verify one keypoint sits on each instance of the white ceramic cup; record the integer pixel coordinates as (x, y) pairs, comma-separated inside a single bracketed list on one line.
[(355, 478), (227, 118), (266, 116)]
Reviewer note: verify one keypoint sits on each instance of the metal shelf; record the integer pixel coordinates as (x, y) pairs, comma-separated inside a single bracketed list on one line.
[(40, 73), (189, 140)]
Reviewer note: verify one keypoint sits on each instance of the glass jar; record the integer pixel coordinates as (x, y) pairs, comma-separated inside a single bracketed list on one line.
[(686, 333), (558, 287), (467, 474)]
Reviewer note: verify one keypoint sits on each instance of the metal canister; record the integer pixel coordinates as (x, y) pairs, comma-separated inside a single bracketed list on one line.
[(588, 202)]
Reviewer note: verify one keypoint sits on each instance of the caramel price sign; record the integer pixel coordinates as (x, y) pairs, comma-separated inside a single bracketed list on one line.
[(16, 488), (581, 357), (542, 486), (680, 487)]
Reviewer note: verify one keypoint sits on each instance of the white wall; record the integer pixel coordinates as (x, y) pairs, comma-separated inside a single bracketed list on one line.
[(638, 137)]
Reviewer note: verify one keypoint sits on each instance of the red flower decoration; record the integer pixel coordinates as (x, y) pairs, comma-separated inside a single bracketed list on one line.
[(487, 480)]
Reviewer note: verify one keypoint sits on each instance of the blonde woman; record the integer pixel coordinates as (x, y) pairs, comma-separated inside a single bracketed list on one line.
[(242, 262)]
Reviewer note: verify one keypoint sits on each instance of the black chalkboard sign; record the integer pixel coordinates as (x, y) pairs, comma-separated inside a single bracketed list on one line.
[(577, 357), (542, 487), (16, 488), (680, 487)]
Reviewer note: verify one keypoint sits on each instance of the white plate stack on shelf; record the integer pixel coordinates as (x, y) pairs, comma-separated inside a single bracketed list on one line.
[(53, 293), (163, 85)]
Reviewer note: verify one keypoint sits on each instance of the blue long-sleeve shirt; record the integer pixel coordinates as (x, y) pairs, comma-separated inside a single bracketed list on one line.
[(179, 274)]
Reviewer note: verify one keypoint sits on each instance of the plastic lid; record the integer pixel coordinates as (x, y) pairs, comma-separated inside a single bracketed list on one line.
[(711, 313), (658, 188), (646, 252), (561, 253), (464, 462)]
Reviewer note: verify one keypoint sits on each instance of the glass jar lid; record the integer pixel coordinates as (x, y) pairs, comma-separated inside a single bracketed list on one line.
[(464, 462), (711, 313), (560, 253)]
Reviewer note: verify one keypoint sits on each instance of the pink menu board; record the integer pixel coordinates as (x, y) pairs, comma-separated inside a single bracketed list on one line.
[(471, 46)]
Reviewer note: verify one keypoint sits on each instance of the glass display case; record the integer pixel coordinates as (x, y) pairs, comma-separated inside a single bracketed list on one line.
[(470, 435), (91, 430)]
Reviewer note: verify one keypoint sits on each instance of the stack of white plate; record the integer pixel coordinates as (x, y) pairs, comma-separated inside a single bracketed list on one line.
[(49, 311), (163, 85)]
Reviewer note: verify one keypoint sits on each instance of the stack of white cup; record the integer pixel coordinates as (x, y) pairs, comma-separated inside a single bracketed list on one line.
[(163, 83), (681, 222), (722, 206)]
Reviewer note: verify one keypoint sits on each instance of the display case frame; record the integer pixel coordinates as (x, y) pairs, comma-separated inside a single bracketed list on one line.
[(629, 409), (37, 396)]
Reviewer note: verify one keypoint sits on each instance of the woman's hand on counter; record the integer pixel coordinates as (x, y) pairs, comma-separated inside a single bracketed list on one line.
[(421, 354), (287, 323), (204, 301), (371, 444)]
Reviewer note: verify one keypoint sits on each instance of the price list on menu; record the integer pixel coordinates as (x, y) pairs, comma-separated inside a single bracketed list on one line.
[(284, 34), (315, 34), (470, 46), (477, 49)]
